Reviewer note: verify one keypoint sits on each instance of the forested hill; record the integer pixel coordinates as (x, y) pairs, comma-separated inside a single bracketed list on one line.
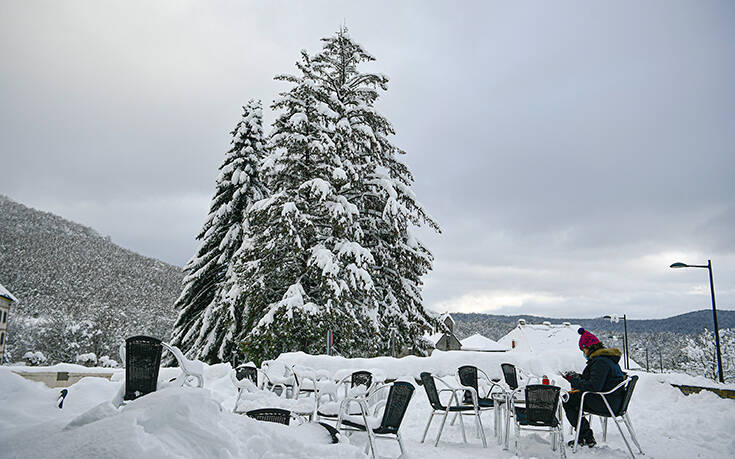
[(78, 292), (495, 326)]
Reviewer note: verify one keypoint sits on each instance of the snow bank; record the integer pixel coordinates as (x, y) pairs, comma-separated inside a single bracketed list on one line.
[(172, 422), (442, 363)]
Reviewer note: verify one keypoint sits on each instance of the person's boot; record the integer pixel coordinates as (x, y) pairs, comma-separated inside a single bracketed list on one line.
[(586, 438), (589, 438)]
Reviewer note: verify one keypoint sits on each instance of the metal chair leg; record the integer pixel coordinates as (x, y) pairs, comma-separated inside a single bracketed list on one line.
[(441, 427), (604, 429), (426, 430), (617, 424), (629, 425), (400, 444), (562, 445), (579, 426), (461, 424), (481, 429)]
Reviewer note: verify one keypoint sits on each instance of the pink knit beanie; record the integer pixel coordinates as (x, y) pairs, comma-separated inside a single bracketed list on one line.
[(587, 339)]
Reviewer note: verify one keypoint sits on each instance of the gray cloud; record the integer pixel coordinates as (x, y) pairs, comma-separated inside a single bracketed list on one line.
[(570, 151)]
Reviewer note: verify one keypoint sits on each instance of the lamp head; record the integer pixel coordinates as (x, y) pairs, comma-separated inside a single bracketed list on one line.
[(679, 265)]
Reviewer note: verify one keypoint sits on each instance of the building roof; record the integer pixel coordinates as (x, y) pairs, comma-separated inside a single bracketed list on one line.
[(542, 337), (477, 342), (4, 293), (434, 338)]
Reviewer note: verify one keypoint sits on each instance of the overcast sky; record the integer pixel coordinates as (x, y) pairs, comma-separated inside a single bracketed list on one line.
[(571, 151)]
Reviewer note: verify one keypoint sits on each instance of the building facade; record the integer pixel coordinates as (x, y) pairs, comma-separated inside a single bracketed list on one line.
[(6, 299)]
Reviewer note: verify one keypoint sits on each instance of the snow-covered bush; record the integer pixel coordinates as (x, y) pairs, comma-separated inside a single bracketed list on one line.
[(702, 354), (34, 358), (88, 360), (107, 362)]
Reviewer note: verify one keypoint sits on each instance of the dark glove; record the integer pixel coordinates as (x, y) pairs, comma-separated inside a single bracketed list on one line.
[(569, 375)]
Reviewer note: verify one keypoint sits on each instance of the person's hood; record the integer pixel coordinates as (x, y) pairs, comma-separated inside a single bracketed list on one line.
[(609, 352)]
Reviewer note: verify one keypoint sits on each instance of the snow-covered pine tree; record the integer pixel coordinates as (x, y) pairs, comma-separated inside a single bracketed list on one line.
[(380, 187), (332, 152), (310, 272), (206, 325)]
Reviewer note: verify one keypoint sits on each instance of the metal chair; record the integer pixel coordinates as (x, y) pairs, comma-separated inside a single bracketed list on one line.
[(286, 381), (355, 379), (248, 372), (394, 408), (469, 376), (361, 378), (453, 406), (513, 404), (628, 385), (542, 412)]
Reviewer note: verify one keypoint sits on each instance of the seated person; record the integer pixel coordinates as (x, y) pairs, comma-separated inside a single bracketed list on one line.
[(601, 374)]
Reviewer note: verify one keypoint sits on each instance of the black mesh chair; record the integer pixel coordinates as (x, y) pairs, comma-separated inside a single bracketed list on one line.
[(453, 406), (621, 414), (510, 375), (469, 376), (394, 408), (247, 372), (542, 412), (142, 363), (361, 378), (276, 415)]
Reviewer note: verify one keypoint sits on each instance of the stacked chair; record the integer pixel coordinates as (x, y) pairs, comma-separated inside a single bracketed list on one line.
[(142, 359)]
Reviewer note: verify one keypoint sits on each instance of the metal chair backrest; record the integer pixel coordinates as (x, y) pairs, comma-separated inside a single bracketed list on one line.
[(510, 375), (271, 415), (395, 407), (142, 364), (628, 394), (361, 378), (541, 404), (430, 388), (247, 372), (468, 377)]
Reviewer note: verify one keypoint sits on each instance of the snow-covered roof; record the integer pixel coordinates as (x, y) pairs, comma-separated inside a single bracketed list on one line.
[(542, 337), (6, 294), (477, 342), (433, 339)]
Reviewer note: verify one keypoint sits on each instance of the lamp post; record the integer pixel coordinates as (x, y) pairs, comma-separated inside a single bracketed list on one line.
[(714, 309), (625, 340)]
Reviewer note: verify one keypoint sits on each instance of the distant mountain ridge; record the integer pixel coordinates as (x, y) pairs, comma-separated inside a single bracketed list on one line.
[(64, 273), (494, 326)]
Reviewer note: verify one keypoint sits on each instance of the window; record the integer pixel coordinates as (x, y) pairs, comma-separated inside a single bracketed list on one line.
[(5, 316), (2, 338)]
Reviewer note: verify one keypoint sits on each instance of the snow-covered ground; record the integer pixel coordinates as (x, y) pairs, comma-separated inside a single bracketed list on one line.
[(188, 422)]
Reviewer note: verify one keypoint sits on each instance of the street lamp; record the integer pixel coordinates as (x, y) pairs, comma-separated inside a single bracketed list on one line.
[(625, 341), (714, 309)]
